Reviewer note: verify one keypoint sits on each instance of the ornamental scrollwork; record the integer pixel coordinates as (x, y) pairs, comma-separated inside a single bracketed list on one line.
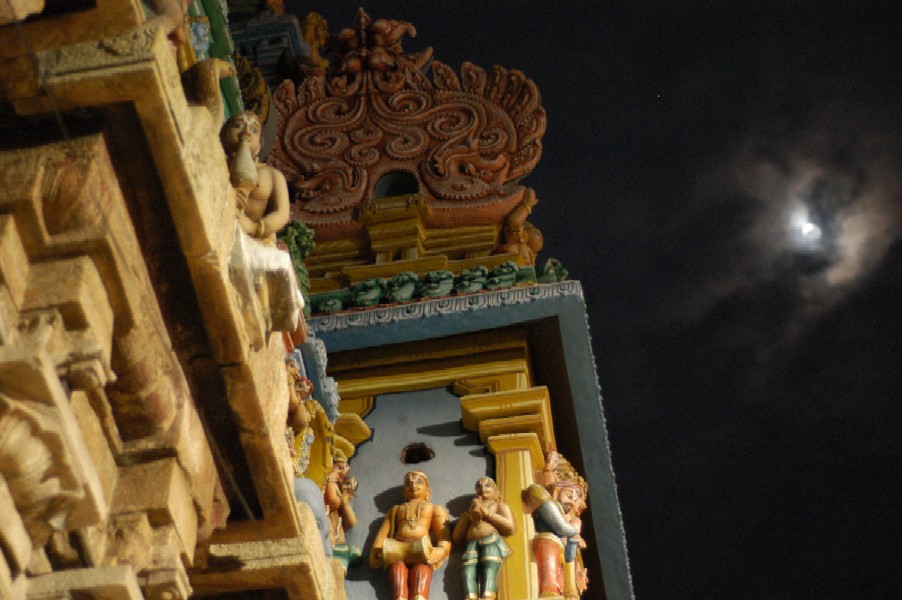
[(466, 138)]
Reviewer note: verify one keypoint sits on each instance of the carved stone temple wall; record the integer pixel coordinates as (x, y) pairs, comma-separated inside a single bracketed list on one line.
[(143, 335)]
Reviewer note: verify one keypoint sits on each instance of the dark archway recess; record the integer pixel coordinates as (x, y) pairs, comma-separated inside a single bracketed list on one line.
[(396, 183)]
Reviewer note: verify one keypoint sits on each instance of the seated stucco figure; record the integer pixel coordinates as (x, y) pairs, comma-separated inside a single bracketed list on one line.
[(403, 544), (263, 207)]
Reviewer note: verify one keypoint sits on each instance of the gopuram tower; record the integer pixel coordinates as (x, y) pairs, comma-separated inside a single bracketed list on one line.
[(274, 323)]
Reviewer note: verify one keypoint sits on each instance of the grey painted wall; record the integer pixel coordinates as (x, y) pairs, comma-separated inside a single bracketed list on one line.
[(431, 417)]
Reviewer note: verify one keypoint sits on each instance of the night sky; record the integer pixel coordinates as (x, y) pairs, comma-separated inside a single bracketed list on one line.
[(724, 180)]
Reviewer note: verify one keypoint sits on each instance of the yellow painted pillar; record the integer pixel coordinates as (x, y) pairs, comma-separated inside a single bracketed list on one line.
[(517, 457)]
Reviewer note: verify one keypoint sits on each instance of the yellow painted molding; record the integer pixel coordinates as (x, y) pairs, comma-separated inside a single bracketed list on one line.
[(489, 384), (519, 442), (414, 381), (515, 462), (512, 411), (360, 405), (516, 424), (420, 266), (351, 427), (484, 261)]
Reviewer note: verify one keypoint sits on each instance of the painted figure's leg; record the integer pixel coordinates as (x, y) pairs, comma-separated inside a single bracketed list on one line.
[(490, 567), (470, 583), (397, 575), (420, 578), (548, 560)]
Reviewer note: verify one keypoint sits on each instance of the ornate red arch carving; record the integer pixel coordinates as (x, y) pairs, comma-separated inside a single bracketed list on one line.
[(468, 138)]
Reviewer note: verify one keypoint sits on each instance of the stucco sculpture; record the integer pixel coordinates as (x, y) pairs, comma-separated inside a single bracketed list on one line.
[(484, 527), (338, 492), (520, 237), (262, 194), (403, 543), (556, 507), (551, 528)]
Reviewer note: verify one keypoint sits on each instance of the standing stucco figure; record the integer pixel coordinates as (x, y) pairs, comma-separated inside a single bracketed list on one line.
[(484, 526), (403, 544), (552, 530)]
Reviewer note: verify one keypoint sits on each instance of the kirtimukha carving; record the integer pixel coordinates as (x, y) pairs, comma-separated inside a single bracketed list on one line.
[(467, 139), (262, 192), (484, 527), (403, 544), (338, 493)]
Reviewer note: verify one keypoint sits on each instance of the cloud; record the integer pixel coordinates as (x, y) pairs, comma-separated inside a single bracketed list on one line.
[(753, 203)]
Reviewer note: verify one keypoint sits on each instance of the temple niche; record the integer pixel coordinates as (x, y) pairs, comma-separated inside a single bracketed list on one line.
[(252, 277)]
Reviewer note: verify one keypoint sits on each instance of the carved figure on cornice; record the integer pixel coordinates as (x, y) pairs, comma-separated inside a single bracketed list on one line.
[(201, 85), (484, 527), (553, 271), (262, 194), (254, 91), (468, 139), (520, 237), (299, 390), (368, 292), (403, 543), (315, 31), (502, 276), (402, 287), (436, 284), (471, 280)]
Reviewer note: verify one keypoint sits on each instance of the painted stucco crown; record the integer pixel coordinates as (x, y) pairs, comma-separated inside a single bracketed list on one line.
[(467, 139)]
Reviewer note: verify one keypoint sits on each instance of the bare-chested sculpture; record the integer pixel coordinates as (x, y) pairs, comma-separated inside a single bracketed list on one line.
[(484, 526), (263, 207), (403, 543)]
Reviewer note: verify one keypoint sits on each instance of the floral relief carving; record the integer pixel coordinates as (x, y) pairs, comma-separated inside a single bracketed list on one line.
[(35, 464), (466, 138)]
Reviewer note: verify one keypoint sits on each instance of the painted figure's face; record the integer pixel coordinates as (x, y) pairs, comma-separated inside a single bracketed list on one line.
[(416, 486), (243, 126), (340, 469), (570, 498), (485, 488)]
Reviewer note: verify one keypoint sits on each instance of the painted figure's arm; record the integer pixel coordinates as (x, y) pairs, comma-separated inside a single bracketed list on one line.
[(503, 520), (442, 549), (376, 552), (278, 209)]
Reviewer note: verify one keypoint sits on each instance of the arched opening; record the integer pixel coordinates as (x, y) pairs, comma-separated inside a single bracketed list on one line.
[(396, 183)]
